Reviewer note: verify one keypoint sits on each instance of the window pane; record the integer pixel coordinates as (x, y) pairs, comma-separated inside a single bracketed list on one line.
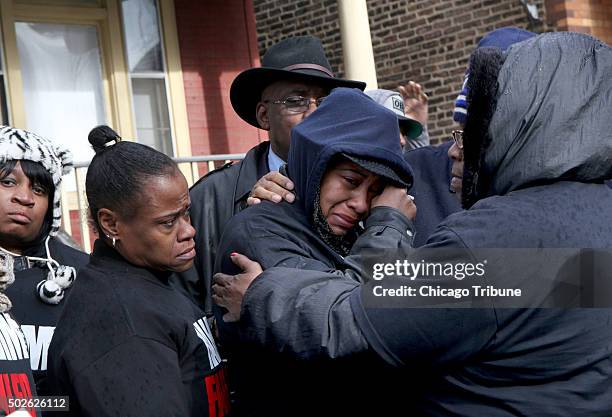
[(62, 82), (3, 105), (63, 2), (141, 28), (152, 119)]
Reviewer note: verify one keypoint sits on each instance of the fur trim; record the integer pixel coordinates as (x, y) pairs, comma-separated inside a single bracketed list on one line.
[(19, 144), (7, 277), (482, 86)]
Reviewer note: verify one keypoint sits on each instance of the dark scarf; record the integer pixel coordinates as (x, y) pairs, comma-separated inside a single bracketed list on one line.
[(340, 244)]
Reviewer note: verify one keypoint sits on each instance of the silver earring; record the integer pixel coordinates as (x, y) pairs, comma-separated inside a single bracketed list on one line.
[(113, 239)]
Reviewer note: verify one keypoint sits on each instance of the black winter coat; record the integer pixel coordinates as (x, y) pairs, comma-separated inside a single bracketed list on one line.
[(272, 384), (283, 235), (432, 174), (215, 198)]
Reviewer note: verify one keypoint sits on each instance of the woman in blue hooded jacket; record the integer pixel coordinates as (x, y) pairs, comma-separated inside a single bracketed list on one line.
[(351, 181), (317, 233)]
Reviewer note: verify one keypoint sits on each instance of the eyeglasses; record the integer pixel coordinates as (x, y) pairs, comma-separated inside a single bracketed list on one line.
[(297, 104), (458, 138)]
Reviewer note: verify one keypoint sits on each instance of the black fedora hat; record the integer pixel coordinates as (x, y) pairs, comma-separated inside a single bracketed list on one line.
[(300, 58)]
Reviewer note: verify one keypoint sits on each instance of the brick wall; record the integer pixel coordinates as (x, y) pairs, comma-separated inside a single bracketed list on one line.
[(280, 19), (217, 40), (586, 16), (428, 41)]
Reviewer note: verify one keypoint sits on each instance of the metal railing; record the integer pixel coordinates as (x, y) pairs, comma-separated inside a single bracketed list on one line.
[(74, 199)]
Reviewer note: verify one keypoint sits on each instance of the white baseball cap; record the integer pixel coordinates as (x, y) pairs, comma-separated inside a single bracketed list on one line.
[(393, 101)]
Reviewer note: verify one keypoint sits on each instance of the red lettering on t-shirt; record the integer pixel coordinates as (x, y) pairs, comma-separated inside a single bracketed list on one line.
[(218, 394), (14, 386), (3, 394), (23, 384), (6, 392)]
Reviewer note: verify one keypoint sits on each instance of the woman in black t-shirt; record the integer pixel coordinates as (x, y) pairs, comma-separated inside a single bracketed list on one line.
[(127, 343)]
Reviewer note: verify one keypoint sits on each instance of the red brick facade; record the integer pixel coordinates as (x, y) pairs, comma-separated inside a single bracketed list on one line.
[(587, 16), (428, 41), (217, 40)]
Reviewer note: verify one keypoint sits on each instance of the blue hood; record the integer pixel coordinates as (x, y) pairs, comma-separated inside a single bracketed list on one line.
[(347, 122)]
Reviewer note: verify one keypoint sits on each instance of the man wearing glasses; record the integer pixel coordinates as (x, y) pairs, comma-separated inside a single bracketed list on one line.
[(294, 78), (438, 170), (502, 38)]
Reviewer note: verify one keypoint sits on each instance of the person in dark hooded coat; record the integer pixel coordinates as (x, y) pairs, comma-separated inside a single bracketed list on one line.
[(538, 145), (433, 165), (349, 139)]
